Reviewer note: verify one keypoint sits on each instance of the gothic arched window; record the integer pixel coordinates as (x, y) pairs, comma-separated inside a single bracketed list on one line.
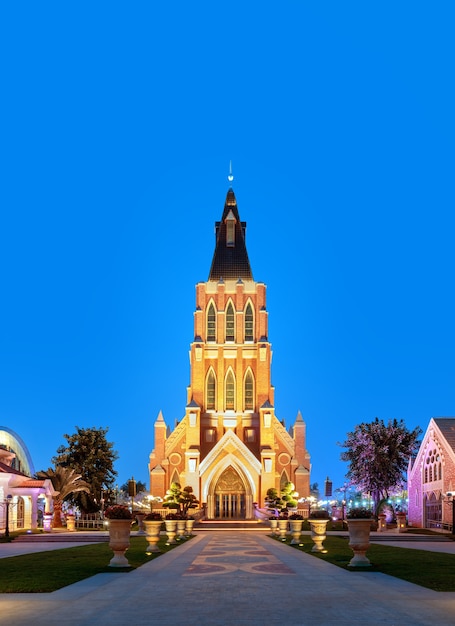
[(248, 396), (210, 391), (230, 323), (230, 392), (249, 323), (211, 323)]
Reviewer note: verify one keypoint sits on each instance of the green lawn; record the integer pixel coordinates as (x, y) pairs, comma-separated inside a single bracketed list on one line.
[(435, 570), (48, 571), (51, 570)]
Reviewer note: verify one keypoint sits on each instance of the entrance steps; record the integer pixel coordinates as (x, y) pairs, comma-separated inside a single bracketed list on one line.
[(238, 524)]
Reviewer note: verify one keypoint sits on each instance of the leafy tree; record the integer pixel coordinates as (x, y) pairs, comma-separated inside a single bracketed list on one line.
[(288, 494), (378, 455), (187, 500), (90, 454), (180, 499), (67, 483), (273, 502)]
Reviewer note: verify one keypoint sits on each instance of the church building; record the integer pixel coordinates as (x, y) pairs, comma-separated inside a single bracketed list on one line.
[(230, 446), (431, 478)]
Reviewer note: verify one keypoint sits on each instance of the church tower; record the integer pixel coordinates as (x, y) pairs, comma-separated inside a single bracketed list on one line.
[(230, 446)]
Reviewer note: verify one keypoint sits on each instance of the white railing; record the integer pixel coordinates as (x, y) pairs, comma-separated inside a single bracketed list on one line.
[(195, 513), (90, 522)]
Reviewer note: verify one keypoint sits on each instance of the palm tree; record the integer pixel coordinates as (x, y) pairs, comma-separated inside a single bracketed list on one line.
[(66, 482)]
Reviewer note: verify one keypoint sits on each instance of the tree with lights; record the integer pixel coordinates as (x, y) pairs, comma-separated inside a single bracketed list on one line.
[(378, 455)]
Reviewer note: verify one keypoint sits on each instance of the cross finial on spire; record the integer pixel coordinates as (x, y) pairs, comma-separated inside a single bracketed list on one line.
[(231, 175)]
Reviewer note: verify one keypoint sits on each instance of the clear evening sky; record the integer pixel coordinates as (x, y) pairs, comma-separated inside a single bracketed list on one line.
[(118, 124)]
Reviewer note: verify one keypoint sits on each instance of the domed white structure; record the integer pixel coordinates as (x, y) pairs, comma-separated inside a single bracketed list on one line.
[(19, 492)]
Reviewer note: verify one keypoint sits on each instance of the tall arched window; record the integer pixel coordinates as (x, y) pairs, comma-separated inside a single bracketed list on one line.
[(248, 395), (249, 323), (433, 469), (283, 479), (230, 392), (211, 323), (210, 391), (230, 323)]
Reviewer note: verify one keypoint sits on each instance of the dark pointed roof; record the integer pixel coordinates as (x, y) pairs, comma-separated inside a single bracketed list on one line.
[(447, 427), (230, 262)]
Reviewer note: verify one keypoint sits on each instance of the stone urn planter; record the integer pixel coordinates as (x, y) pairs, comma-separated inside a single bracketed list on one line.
[(171, 530), (47, 522), (189, 523), (318, 534), (70, 523), (282, 528), (181, 528), (382, 524), (152, 529), (119, 541), (401, 522), (359, 541), (273, 525), (295, 525), (140, 522), (119, 533)]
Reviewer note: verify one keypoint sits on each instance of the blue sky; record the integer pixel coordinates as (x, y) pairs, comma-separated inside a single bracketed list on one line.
[(118, 124)]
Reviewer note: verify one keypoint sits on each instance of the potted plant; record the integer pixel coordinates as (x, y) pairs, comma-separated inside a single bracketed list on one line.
[(171, 527), (382, 522), (152, 524), (401, 522), (181, 526), (120, 520), (189, 525), (295, 523), (283, 524), (140, 516), (70, 522), (273, 519), (318, 523), (288, 495), (359, 526), (273, 502)]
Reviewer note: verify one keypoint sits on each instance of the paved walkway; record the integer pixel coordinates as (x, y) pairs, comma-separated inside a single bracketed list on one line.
[(239, 578)]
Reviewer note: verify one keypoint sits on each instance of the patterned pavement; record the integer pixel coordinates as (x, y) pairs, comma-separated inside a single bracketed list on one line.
[(233, 578)]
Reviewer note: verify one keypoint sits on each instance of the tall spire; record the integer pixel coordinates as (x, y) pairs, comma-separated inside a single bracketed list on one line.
[(230, 175), (230, 259)]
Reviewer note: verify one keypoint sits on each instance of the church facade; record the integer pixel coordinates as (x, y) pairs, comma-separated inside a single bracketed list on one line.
[(230, 446), (431, 477)]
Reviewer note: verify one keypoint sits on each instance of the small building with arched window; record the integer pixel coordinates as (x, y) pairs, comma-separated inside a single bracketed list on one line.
[(431, 476), (19, 491), (230, 446)]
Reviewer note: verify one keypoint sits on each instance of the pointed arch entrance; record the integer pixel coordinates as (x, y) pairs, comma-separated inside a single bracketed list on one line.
[(230, 496)]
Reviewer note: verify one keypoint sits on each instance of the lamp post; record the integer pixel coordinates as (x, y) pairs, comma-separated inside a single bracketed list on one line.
[(8, 499), (132, 492)]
